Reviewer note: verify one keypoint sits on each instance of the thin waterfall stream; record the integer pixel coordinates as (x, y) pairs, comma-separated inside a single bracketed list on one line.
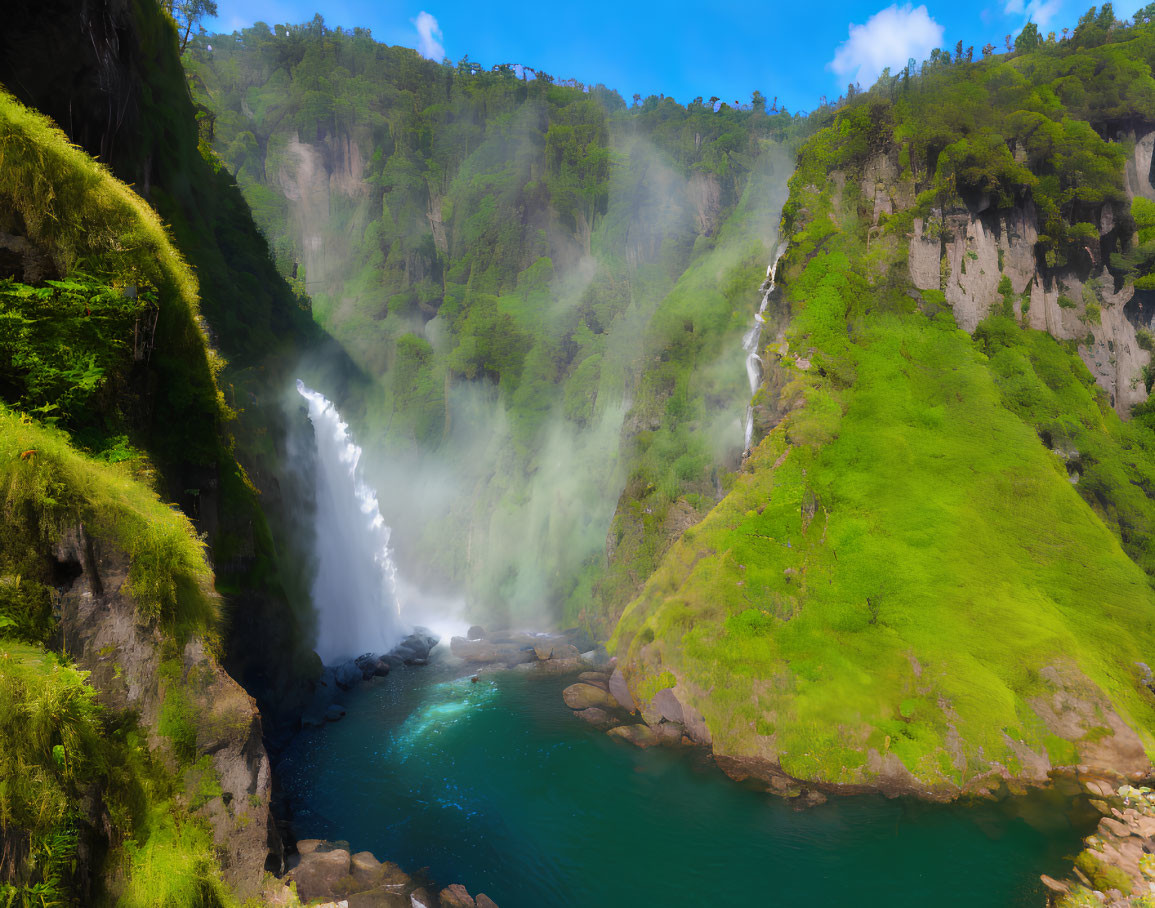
[(750, 344)]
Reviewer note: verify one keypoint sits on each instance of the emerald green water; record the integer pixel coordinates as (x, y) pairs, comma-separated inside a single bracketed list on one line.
[(497, 786)]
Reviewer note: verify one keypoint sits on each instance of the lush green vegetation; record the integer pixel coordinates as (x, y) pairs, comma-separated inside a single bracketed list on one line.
[(906, 568), (56, 746), (517, 255), (106, 382)]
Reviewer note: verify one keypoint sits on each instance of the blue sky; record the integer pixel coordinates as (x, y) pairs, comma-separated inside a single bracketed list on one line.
[(792, 50)]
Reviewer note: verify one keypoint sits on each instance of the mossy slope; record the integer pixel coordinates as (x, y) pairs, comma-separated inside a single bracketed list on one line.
[(905, 588)]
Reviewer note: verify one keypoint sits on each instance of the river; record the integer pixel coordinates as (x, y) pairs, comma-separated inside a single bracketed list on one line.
[(496, 785)]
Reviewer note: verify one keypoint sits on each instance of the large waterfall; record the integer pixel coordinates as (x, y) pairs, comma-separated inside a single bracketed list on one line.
[(355, 590), (750, 344)]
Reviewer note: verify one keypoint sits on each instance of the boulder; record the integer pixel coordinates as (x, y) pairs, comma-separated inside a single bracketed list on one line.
[(419, 898), (308, 846), (365, 869), (456, 896), (556, 649), (484, 901), (583, 696), (595, 716), (322, 874), (555, 667), (638, 735), (621, 691), (347, 674), (579, 639), (668, 732), (379, 897), (696, 727), (334, 713), (477, 632), (667, 704), (488, 651)]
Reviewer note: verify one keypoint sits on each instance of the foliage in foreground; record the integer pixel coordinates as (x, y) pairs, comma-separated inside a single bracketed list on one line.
[(67, 768)]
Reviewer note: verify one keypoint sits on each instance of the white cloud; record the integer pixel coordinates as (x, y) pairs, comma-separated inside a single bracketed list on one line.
[(889, 38), (429, 37), (1041, 12)]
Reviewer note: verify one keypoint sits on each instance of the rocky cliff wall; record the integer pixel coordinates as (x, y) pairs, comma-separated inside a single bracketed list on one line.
[(188, 705), (965, 253)]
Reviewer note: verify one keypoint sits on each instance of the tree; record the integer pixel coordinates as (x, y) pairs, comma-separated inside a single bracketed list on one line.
[(1028, 38), (958, 52), (189, 13), (988, 49)]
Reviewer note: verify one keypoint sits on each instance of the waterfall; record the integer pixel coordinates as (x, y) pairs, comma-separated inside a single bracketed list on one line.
[(355, 590), (750, 344)]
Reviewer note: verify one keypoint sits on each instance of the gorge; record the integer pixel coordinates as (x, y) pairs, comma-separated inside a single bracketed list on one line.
[(781, 485)]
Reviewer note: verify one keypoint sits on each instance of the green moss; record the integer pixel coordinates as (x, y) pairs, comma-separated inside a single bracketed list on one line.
[(650, 686), (72, 207), (58, 747), (1102, 876), (46, 486)]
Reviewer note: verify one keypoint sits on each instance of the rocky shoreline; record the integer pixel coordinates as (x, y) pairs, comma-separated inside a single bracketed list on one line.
[(413, 650), (1116, 869), (329, 875)]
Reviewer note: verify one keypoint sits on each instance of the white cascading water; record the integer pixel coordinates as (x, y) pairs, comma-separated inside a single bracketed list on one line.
[(355, 590), (750, 345)]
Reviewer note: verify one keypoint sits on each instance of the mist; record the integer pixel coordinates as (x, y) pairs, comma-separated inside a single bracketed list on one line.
[(496, 524)]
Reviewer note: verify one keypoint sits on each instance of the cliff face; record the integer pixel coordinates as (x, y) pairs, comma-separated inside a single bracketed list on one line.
[(108, 72), (965, 254), (317, 179), (189, 707)]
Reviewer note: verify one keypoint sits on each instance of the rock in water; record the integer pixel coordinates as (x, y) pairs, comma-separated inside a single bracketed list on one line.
[(583, 696), (334, 713), (321, 874), (638, 735), (595, 716), (485, 651), (558, 651), (347, 674), (477, 632), (484, 901), (456, 896)]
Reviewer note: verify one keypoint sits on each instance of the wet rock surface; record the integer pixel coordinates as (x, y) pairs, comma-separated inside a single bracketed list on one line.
[(327, 872), (413, 650), (569, 651)]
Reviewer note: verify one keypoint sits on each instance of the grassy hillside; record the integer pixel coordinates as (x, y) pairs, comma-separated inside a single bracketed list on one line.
[(929, 554)]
